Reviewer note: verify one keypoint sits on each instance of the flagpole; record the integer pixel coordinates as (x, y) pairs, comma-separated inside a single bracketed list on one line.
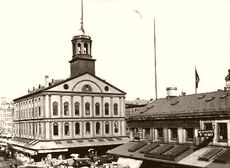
[(195, 81), (155, 60), (82, 24), (195, 90)]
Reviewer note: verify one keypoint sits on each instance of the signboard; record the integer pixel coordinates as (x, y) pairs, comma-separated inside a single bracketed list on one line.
[(205, 133)]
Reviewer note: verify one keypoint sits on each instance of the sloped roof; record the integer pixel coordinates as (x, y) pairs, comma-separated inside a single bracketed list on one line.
[(58, 82), (195, 105), (134, 149)]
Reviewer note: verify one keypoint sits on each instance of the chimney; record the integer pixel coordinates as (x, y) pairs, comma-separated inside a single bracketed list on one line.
[(183, 93), (46, 81), (227, 80), (171, 91)]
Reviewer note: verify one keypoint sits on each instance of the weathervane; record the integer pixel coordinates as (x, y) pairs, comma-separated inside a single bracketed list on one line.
[(82, 28)]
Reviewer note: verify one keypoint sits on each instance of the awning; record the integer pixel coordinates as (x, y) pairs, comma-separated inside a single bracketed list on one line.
[(132, 163), (90, 142), (31, 152), (202, 157), (52, 150), (35, 146)]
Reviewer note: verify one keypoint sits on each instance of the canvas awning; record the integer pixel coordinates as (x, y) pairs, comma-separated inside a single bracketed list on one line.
[(31, 152), (132, 163)]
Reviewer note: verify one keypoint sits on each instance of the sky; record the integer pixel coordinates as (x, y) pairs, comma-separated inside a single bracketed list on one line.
[(35, 40)]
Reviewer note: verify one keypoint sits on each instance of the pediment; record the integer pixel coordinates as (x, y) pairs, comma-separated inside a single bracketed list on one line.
[(86, 83)]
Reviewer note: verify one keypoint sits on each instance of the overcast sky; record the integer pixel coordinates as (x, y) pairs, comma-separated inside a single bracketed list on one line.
[(35, 40)]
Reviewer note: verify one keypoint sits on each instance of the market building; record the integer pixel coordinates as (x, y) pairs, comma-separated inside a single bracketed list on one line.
[(181, 131), (6, 117), (71, 115)]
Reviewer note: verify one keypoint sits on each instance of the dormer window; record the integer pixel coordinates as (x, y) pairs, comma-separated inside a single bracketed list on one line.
[(209, 99), (201, 97), (224, 96)]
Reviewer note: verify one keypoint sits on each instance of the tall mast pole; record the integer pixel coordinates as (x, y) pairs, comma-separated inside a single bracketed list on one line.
[(155, 59), (82, 28)]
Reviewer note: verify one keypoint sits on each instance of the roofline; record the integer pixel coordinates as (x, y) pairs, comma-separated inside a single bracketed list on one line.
[(192, 115), (66, 80)]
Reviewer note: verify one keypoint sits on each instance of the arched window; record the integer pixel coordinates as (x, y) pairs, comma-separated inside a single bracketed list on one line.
[(66, 128), (35, 108), (106, 108), (55, 108), (35, 111), (79, 48), (32, 109), (116, 128), (66, 108), (77, 108), (27, 113), (98, 127), (87, 128), (39, 129), (107, 127), (39, 110), (97, 109), (29, 128), (87, 108), (55, 129), (26, 132), (85, 48), (86, 88), (115, 109), (77, 128), (34, 129)]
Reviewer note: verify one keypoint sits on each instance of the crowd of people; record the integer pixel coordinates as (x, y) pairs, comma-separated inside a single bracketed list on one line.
[(74, 161)]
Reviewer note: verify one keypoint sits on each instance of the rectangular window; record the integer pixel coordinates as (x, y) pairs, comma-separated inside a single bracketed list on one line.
[(173, 133), (147, 133), (160, 133), (208, 126), (189, 134), (222, 132)]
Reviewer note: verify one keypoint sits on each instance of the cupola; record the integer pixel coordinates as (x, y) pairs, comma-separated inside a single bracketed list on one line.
[(82, 61)]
